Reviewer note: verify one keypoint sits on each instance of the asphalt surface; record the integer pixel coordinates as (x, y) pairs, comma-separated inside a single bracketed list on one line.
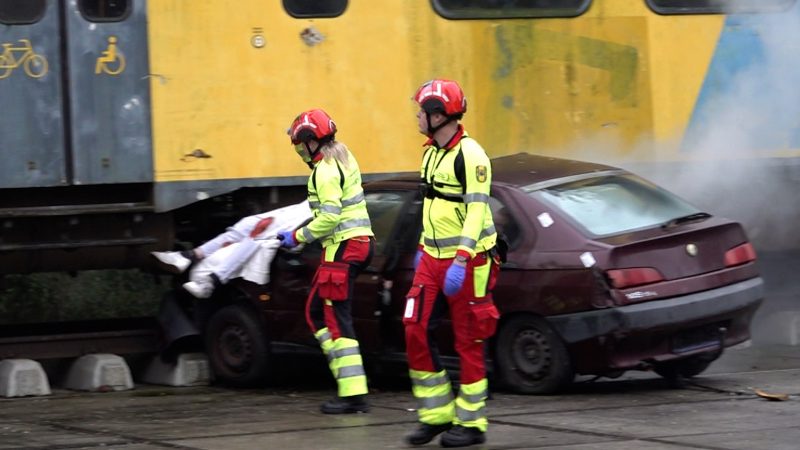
[(717, 410)]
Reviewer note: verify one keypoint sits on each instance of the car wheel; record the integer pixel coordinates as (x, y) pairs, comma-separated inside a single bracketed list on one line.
[(237, 346), (686, 367), (531, 358)]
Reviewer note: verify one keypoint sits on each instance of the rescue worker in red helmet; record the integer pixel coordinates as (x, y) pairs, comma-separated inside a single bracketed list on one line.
[(456, 268), (340, 221)]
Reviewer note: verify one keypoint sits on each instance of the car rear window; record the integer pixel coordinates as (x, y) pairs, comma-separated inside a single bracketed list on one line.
[(615, 204)]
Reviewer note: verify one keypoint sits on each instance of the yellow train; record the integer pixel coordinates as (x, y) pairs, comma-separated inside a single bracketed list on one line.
[(128, 121)]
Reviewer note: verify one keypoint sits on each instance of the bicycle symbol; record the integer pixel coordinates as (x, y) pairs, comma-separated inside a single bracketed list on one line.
[(34, 64), (110, 61)]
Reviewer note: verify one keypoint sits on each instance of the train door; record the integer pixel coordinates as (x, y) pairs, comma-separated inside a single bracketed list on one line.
[(31, 97), (74, 89), (109, 91)]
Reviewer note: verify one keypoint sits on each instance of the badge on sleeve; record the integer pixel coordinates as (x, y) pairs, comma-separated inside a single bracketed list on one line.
[(480, 173)]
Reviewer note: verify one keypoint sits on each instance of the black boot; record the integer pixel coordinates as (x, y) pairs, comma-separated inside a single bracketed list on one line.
[(459, 436), (425, 433), (346, 405)]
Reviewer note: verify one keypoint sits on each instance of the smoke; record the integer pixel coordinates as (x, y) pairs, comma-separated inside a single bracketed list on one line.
[(743, 150), (733, 157), (740, 155)]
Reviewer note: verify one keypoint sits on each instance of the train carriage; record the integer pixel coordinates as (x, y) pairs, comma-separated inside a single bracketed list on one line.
[(130, 123)]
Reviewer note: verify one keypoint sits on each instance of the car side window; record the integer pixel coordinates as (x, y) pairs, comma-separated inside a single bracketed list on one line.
[(507, 226), (385, 212)]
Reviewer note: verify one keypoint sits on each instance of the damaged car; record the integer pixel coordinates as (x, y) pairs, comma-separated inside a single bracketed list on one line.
[(605, 273)]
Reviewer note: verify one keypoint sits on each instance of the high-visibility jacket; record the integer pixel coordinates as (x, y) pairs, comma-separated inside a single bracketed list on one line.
[(337, 203), (455, 212)]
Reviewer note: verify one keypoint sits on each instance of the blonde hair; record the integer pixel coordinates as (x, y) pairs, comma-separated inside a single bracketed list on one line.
[(337, 151)]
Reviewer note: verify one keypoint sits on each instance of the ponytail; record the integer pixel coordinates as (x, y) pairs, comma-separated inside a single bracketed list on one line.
[(337, 151)]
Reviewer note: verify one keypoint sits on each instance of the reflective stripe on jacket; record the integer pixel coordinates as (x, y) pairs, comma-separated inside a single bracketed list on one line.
[(337, 203), (457, 216)]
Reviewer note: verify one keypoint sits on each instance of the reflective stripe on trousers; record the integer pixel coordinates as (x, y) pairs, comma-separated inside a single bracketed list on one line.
[(471, 405), (344, 360), (434, 396)]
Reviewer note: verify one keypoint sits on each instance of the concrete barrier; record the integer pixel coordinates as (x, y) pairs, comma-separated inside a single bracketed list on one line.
[(99, 372), (22, 378), (780, 327), (190, 369)]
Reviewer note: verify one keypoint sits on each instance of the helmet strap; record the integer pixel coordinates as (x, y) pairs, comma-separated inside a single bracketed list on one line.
[(316, 155), (312, 155), (433, 129)]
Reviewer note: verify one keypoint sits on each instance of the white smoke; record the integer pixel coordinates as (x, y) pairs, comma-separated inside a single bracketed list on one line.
[(740, 167), (749, 160)]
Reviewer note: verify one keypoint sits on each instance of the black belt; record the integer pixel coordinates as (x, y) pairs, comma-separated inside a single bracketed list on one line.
[(429, 192)]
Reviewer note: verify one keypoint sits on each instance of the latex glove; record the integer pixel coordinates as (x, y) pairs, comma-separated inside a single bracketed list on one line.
[(261, 226), (417, 258), (287, 239), (454, 278)]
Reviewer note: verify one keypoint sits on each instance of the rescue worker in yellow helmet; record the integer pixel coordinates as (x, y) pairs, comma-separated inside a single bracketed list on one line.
[(456, 268), (340, 221)]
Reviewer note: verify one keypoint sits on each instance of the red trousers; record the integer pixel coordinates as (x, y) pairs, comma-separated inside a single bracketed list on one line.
[(427, 305), (356, 253)]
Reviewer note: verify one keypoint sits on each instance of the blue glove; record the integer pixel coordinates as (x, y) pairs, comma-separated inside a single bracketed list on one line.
[(454, 279), (287, 239), (417, 257)]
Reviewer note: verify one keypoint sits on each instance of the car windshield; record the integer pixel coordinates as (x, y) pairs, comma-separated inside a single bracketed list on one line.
[(614, 204)]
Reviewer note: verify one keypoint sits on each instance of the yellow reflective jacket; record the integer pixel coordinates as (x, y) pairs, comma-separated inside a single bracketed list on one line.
[(337, 203), (455, 212)]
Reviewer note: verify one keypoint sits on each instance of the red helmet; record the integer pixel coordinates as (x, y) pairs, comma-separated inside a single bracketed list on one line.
[(313, 124), (444, 96)]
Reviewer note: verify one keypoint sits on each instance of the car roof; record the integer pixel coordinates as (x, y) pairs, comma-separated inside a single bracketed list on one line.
[(526, 169)]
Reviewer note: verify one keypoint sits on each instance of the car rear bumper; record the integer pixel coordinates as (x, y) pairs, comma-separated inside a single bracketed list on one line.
[(725, 302)]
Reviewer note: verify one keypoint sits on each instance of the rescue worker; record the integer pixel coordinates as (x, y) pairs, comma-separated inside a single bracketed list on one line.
[(340, 221), (456, 268)]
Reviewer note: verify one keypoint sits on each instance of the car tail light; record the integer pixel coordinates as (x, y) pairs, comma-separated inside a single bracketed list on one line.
[(740, 254), (634, 276)]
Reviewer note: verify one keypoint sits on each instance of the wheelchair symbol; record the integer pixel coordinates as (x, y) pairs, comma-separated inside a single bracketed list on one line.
[(110, 61), (34, 64)]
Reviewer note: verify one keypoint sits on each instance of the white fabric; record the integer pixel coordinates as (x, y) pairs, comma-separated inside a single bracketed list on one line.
[(249, 258)]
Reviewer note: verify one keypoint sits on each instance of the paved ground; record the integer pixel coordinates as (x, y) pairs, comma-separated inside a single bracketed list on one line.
[(718, 410)]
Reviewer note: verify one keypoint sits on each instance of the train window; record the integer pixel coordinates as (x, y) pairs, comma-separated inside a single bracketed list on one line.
[(15, 12), (501, 9), (314, 8), (104, 10), (718, 6)]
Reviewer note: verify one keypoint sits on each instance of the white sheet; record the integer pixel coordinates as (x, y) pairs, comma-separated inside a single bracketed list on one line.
[(251, 258)]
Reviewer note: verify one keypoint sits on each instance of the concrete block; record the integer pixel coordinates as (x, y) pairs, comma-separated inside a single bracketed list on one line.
[(190, 369), (781, 327), (22, 377), (99, 372)]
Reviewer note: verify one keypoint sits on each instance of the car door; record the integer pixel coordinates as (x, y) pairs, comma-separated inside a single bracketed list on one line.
[(381, 289)]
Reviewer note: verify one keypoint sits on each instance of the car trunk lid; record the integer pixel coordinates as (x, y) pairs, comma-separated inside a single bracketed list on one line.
[(678, 259)]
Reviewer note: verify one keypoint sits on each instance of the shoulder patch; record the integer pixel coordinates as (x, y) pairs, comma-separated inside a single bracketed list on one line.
[(480, 173)]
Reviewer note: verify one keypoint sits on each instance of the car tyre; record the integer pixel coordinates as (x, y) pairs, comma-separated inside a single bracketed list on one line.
[(686, 367), (237, 346), (531, 358)]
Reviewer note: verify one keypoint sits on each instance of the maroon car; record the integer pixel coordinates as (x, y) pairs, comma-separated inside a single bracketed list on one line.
[(606, 272)]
